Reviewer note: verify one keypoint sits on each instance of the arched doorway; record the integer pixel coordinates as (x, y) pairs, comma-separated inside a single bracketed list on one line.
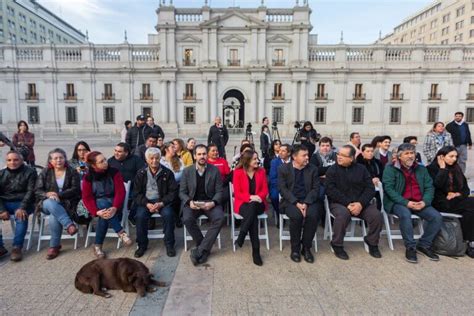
[(233, 109)]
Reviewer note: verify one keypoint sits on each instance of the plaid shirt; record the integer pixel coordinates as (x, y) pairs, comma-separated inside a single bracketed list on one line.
[(433, 143)]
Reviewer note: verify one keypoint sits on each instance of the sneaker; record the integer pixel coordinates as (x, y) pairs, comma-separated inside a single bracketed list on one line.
[(410, 255), (428, 252), (53, 252), (71, 229), (340, 252), (469, 252), (98, 251), (125, 239), (3, 251), (16, 254)]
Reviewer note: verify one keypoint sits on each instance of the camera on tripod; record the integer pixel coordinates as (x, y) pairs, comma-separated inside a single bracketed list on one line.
[(297, 126)]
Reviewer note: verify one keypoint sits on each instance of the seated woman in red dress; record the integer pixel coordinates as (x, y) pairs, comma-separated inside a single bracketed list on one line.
[(250, 199)]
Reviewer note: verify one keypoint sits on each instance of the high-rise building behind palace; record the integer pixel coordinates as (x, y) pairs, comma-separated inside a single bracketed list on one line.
[(28, 22), (443, 22)]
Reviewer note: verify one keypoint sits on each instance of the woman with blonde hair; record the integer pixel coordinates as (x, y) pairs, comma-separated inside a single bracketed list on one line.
[(182, 152)]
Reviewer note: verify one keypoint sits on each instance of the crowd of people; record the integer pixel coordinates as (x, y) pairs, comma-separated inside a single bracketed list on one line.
[(182, 181)]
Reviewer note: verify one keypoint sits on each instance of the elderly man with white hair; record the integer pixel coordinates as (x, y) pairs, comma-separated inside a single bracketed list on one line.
[(154, 190)]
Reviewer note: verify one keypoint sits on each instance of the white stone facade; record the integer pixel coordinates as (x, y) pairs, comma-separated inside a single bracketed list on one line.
[(238, 55)]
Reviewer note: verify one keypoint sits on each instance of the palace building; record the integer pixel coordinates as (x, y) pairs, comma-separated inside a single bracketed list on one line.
[(241, 64)]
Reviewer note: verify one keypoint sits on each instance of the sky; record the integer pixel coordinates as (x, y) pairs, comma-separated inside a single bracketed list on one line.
[(360, 20)]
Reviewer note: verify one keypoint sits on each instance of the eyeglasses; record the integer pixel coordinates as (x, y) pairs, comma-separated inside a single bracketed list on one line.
[(345, 156)]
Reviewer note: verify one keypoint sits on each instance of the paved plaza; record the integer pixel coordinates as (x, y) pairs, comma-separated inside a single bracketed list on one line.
[(230, 284)]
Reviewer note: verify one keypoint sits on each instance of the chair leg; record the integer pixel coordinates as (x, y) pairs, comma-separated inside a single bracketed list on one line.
[(267, 237), (41, 229), (30, 234), (232, 231), (364, 233), (89, 230), (185, 239), (280, 232), (388, 230), (219, 241)]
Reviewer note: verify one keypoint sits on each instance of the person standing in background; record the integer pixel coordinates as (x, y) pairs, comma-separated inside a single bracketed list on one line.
[(461, 135)]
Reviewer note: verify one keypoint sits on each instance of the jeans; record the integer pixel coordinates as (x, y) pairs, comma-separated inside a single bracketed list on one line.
[(21, 226), (142, 218), (462, 157), (58, 220), (103, 224), (432, 225)]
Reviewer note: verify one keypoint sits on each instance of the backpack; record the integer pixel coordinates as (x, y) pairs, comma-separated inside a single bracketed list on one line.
[(449, 241)]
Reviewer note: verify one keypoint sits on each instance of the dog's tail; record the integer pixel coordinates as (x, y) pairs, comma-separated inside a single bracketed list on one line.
[(158, 283)]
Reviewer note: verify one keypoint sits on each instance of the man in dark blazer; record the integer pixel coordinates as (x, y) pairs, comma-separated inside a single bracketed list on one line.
[(298, 182), (219, 136), (201, 194)]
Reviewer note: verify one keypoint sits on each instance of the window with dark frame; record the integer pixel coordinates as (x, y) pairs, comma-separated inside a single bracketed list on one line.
[(434, 95), (32, 94), (278, 57), (71, 115), (188, 57), (396, 92), (470, 115), (108, 92), (321, 92), (33, 115), (358, 92), (277, 114), (146, 92), (278, 91), (189, 115), (70, 93), (395, 115), (147, 111), (357, 115), (433, 114), (189, 92), (320, 115), (109, 115), (234, 57)]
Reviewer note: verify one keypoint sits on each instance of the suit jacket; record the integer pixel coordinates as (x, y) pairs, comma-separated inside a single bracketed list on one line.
[(286, 184), (242, 187), (187, 188)]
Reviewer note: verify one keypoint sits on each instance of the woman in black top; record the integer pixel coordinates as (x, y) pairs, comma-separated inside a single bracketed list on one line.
[(309, 137), (452, 192)]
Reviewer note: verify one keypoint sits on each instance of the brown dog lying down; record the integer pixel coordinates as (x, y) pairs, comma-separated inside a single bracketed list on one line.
[(125, 274)]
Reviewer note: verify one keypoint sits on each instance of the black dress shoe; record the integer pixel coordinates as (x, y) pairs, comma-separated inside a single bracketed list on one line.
[(295, 256), (428, 252), (410, 255), (195, 256), (139, 252), (340, 252), (307, 255), (373, 250), (204, 256), (170, 251), (256, 257), (470, 252)]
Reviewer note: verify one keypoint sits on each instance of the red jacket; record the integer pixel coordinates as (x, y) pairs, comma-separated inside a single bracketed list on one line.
[(242, 187), (89, 199), (222, 165)]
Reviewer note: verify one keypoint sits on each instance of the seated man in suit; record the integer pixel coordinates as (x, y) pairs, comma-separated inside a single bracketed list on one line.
[(298, 182), (201, 194)]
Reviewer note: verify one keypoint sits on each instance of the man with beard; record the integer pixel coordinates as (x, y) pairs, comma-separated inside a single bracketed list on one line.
[(201, 194), (137, 135), (409, 190)]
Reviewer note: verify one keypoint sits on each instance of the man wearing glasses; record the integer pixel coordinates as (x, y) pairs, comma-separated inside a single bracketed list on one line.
[(350, 191)]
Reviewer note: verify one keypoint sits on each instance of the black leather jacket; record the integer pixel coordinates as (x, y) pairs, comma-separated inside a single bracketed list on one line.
[(17, 185), (71, 192)]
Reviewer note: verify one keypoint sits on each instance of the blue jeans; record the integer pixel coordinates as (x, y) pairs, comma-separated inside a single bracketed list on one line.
[(21, 227), (142, 218), (58, 220), (432, 225), (103, 224)]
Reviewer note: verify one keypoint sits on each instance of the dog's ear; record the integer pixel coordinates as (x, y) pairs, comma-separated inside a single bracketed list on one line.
[(131, 278)]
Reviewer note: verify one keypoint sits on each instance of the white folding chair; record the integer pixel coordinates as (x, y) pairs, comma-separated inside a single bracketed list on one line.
[(29, 233), (110, 232), (350, 233), (44, 236), (204, 232), (395, 234), (285, 234), (235, 233)]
